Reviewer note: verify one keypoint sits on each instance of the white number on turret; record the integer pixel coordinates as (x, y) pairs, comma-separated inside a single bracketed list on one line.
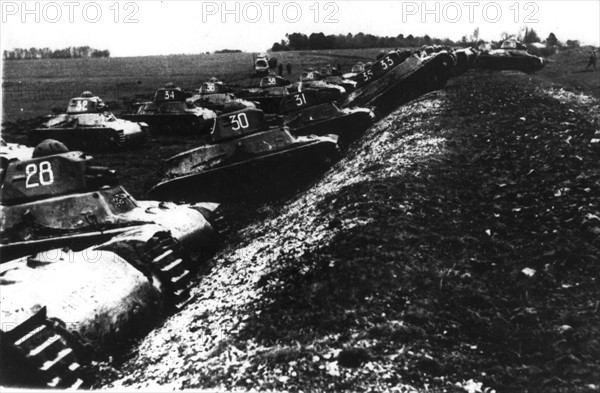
[(44, 173), (300, 99), (239, 121), (82, 106)]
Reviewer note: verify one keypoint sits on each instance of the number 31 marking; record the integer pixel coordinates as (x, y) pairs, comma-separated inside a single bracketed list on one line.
[(44, 177)]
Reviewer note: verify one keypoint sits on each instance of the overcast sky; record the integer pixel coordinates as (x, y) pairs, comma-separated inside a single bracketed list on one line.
[(171, 26)]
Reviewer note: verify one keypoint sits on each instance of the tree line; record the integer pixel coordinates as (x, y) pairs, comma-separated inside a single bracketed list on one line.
[(319, 41), (72, 52)]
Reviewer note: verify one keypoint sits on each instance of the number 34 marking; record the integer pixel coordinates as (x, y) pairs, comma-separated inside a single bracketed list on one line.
[(44, 173)]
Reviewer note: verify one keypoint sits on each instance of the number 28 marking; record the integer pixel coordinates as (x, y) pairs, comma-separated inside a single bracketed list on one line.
[(44, 177)]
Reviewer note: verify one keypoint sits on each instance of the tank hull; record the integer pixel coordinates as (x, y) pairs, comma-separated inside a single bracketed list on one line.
[(348, 124), (526, 63), (413, 76), (184, 123), (256, 178), (91, 139)]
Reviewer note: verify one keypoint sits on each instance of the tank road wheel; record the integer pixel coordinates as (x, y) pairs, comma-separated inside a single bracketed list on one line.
[(48, 351), (172, 267)]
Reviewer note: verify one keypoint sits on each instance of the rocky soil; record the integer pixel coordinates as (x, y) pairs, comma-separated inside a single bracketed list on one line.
[(455, 248)]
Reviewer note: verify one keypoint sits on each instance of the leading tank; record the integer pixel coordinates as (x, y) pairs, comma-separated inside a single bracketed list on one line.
[(87, 125), (245, 160), (413, 76)]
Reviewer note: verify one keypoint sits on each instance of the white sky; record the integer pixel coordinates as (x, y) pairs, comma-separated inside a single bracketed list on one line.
[(173, 26)]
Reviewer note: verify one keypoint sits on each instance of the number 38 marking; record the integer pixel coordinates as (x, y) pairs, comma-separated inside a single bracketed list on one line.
[(44, 177)]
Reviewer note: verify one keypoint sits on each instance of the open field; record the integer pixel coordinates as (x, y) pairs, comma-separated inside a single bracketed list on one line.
[(32, 88), (454, 248)]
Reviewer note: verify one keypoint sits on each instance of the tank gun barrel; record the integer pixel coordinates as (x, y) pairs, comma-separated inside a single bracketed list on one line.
[(97, 176)]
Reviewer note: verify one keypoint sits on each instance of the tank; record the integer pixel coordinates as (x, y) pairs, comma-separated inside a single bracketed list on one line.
[(381, 67), (267, 94), (86, 125), (111, 263), (334, 77), (355, 70), (415, 75), (170, 112), (63, 200), (325, 119), (246, 160), (509, 59), (465, 59), (215, 96), (317, 80)]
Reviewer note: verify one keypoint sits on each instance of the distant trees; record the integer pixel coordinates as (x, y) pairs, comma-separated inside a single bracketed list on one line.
[(551, 40), (317, 41), (73, 52), (529, 36)]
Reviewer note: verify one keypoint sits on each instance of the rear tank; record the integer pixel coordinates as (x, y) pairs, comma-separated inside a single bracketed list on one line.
[(509, 59), (86, 125), (84, 265), (170, 112), (246, 160)]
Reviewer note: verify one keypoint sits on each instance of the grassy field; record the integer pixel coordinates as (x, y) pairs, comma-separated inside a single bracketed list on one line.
[(32, 88)]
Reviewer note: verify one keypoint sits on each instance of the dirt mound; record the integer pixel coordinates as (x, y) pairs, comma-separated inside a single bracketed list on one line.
[(455, 247)]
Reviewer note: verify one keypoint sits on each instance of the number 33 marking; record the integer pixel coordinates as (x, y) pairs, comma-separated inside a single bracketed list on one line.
[(44, 177)]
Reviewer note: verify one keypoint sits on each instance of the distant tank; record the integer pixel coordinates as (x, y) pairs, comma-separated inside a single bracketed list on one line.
[(355, 70), (326, 119), (170, 113), (512, 55), (317, 80), (415, 75), (86, 125), (465, 59), (214, 95), (267, 94), (334, 77), (245, 160), (126, 262)]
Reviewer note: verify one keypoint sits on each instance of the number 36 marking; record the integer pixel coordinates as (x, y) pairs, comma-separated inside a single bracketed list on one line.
[(44, 177)]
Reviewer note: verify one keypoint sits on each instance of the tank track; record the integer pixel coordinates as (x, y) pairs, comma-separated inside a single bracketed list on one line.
[(172, 267), (220, 224), (46, 346)]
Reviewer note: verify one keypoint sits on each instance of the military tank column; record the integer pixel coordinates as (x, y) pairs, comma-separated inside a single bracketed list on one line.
[(85, 265)]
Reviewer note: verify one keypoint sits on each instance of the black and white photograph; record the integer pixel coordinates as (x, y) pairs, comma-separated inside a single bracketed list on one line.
[(300, 196)]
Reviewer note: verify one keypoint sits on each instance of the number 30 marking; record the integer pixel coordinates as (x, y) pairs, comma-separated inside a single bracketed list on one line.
[(239, 121), (45, 175)]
